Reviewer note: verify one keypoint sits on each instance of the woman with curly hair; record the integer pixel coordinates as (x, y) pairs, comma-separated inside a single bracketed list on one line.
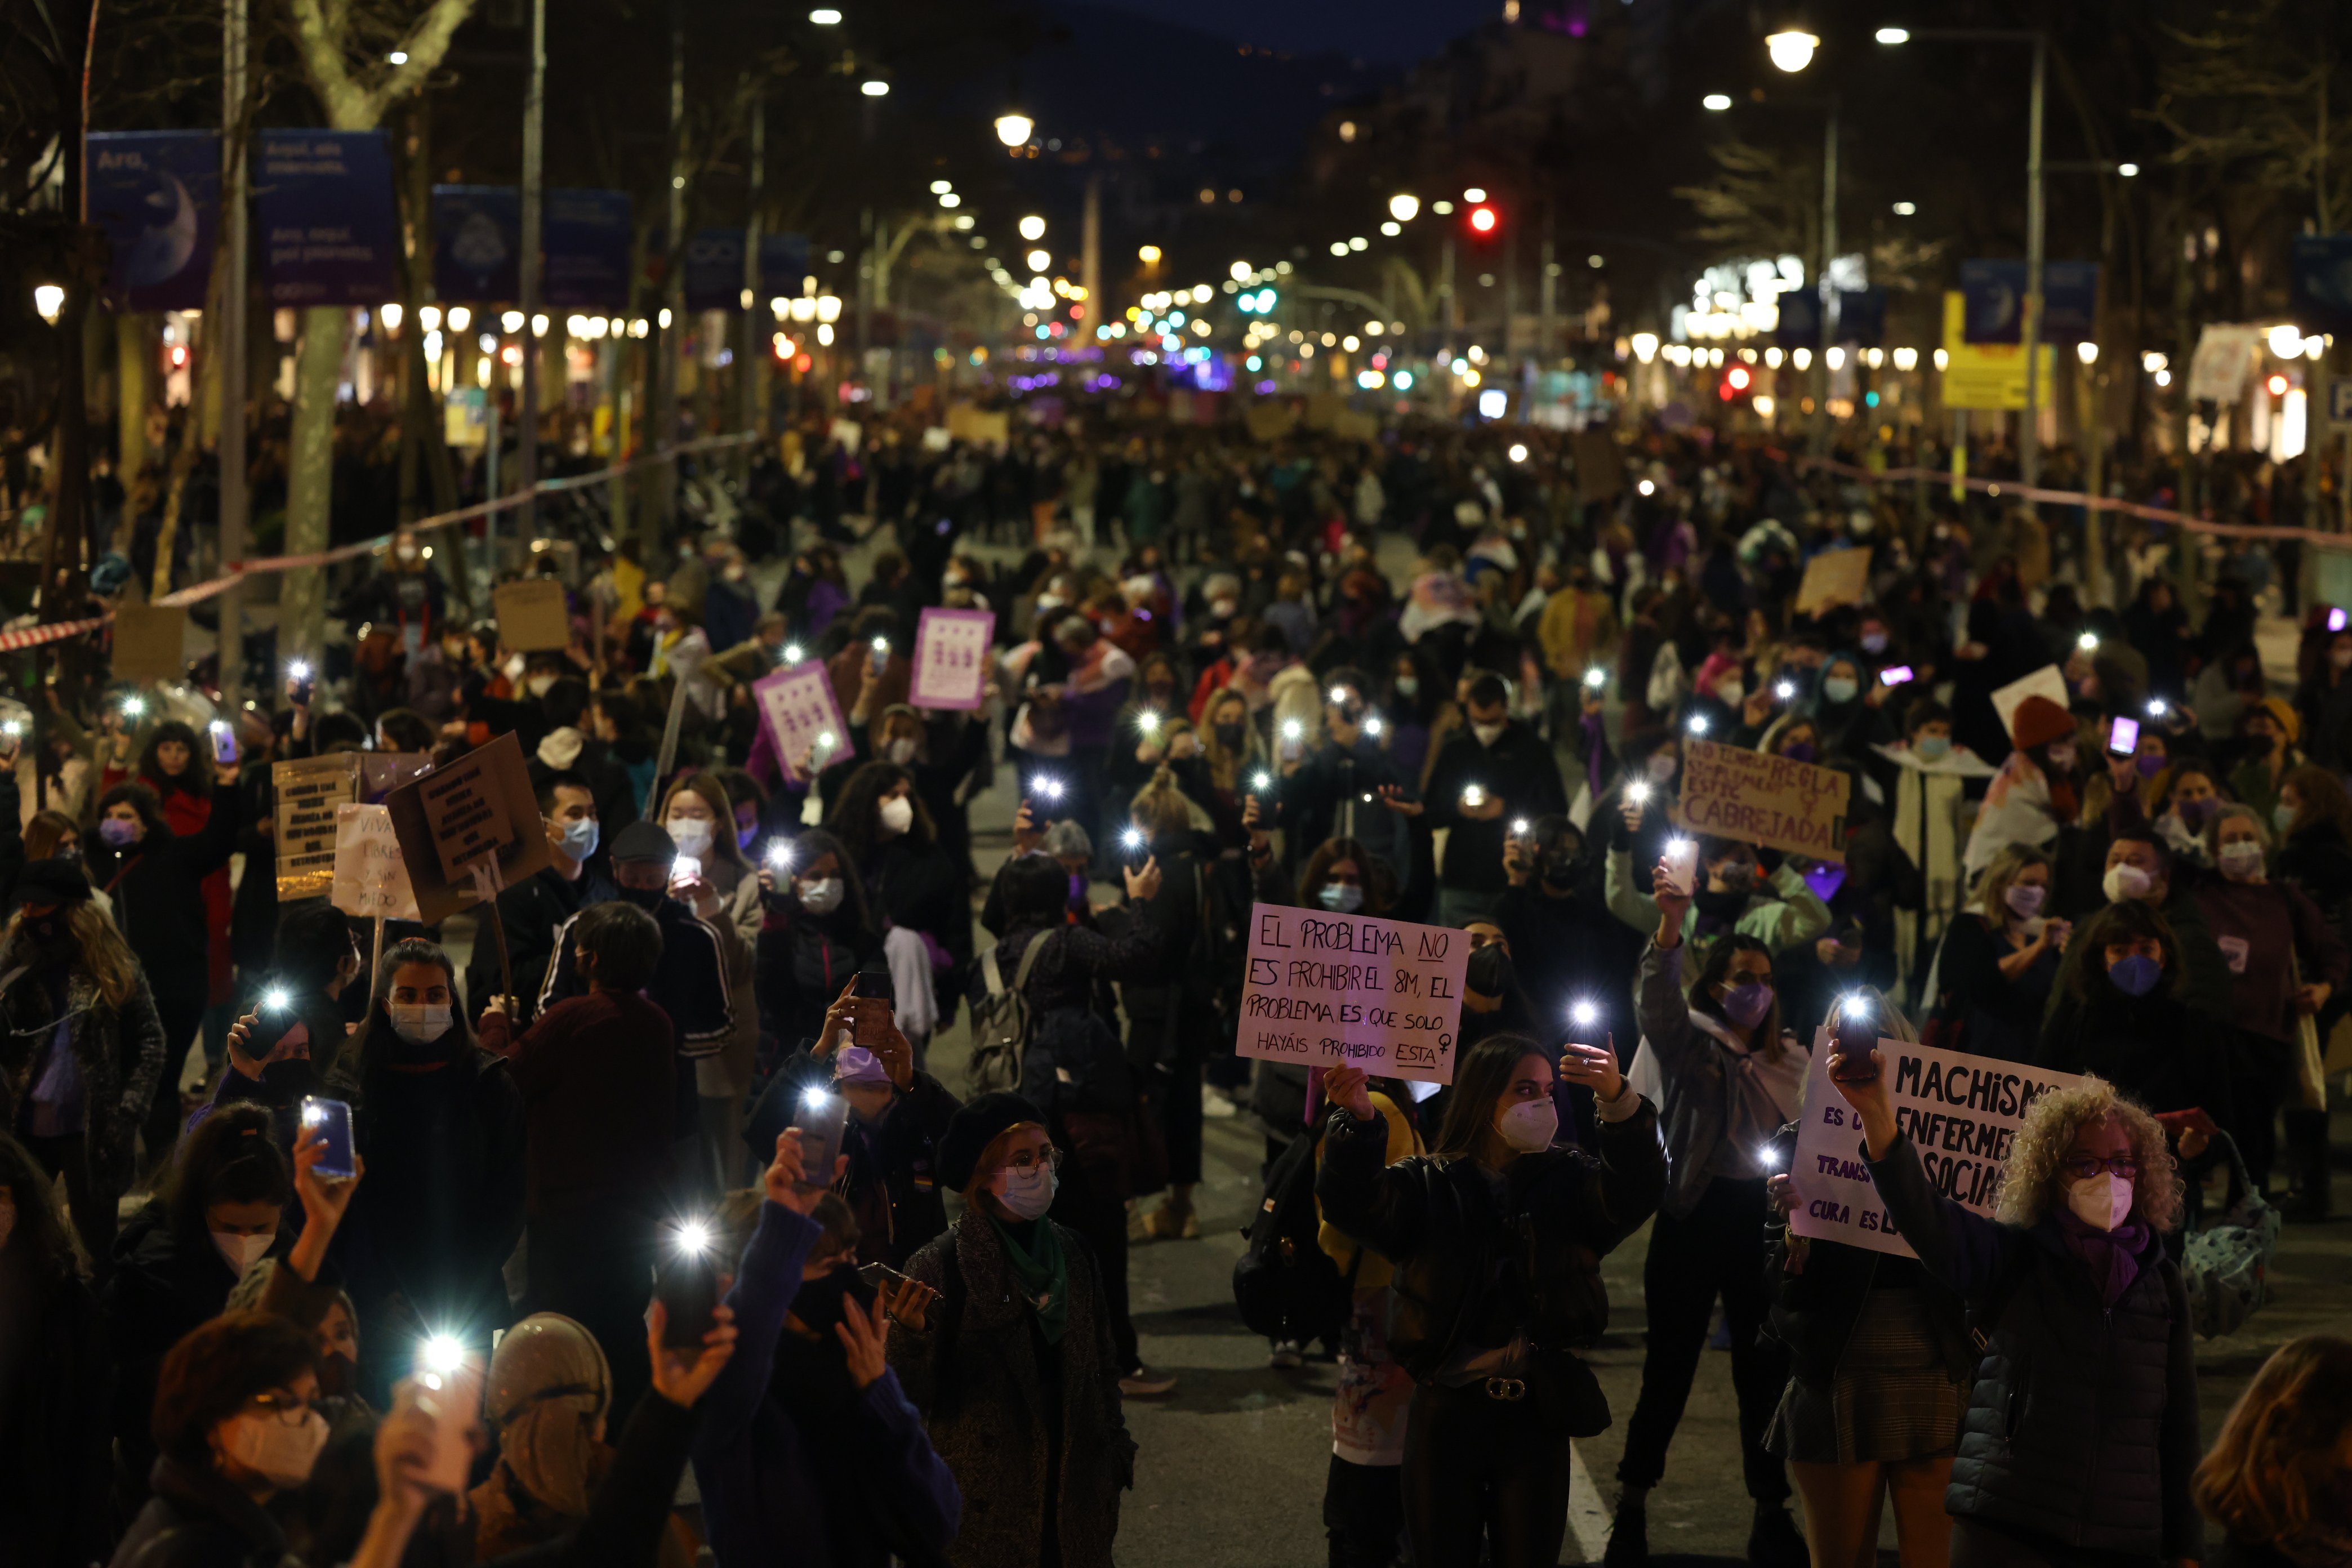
[(2082, 1432), (2275, 1478)]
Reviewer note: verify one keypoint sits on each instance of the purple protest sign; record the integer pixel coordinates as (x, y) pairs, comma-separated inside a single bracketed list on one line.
[(804, 720), (951, 659)]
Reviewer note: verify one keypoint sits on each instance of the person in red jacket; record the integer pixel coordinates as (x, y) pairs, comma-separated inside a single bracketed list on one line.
[(596, 1073)]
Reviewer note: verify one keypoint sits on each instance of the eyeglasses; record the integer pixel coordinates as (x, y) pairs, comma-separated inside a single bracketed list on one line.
[(2083, 1167), (1030, 1159)]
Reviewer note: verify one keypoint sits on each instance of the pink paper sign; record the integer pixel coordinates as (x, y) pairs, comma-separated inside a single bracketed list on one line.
[(951, 657), (1325, 990), (802, 719)]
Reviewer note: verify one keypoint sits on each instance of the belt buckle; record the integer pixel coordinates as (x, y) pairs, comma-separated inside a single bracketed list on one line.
[(1511, 1389)]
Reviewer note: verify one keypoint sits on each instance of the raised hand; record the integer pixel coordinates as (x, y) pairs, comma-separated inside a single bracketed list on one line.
[(1347, 1087), (682, 1374)]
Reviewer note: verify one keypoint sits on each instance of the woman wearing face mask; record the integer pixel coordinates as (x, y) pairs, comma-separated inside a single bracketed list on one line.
[(1637, 809), (1013, 1366), (443, 1129), (1496, 1238), (83, 1060), (893, 846), (2184, 799), (699, 818), (1231, 757), (54, 1375), (1727, 1078), (2277, 1479), (1171, 1023), (2123, 1018), (2035, 789), (2323, 702), (2082, 1426), (221, 1212), (2286, 963), (1845, 708), (2267, 731), (820, 932), (1999, 959)]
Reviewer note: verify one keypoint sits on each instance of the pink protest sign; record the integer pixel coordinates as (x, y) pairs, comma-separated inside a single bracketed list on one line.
[(804, 720), (1325, 990), (951, 657)]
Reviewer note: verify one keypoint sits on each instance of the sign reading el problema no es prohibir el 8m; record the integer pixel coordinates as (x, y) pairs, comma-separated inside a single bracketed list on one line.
[(1324, 990)]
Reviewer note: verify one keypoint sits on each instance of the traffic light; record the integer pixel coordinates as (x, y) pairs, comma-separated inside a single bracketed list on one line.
[(1258, 303), (1484, 220)]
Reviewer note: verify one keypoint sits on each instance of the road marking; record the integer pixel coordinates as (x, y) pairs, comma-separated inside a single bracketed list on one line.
[(1586, 1517)]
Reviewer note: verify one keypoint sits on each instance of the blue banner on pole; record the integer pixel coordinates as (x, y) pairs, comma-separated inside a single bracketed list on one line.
[(329, 232), (2321, 300), (1993, 301), (783, 262), (1861, 317), (587, 244), (157, 195), (477, 244), (1800, 323), (714, 268)]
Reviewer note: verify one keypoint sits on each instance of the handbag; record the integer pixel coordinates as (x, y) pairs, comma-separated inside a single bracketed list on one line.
[(2226, 1266)]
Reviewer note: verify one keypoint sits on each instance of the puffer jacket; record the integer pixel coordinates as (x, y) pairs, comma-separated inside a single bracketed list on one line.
[(2083, 1427), (121, 1052), (1471, 1270)]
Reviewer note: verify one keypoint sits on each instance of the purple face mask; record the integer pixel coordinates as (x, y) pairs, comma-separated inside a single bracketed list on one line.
[(1798, 751), (2150, 764), (1747, 1004), (1077, 886)]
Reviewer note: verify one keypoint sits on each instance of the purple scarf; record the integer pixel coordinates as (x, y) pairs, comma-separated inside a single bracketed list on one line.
[(2111, 1256)]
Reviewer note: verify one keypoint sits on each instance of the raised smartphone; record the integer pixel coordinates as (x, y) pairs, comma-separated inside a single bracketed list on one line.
[(331, 1120), (2123, 740), (688, 1284), (821, 1118)]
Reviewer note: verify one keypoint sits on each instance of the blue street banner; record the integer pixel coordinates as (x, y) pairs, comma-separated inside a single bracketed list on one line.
[(783, 262), (1800, 323), (157, 195), (1861, 318), (587, 237), (329, 232), (714, 268), (2321, 298), (1993, 294), (477, 244)]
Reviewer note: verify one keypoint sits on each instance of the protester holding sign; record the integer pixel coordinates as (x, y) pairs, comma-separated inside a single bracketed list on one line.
[(1496, 1238), (2081, 1429), (534, 911)]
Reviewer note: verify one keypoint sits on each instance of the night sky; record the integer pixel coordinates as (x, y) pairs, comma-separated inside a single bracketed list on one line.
[(1387, 31)]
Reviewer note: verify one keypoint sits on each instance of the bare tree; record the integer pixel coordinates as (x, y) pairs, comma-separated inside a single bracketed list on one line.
[(1759, 203), (2250, 92)]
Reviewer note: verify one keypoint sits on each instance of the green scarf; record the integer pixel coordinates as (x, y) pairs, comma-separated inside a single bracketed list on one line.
[(1043, 1277)]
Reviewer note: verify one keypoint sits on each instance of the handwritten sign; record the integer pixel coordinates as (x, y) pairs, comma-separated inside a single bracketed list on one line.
[(1762, 799), (951, 657), (1833, 577), (479, 810), (1961, 1111), (150, 641), (802, 719), (371, 878), (533, 615), (1324, 990), (309, 791)]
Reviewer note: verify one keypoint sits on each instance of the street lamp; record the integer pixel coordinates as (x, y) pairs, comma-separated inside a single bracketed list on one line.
[(49, 300), (825, 17), (1792, 50), (1716, 102), (875, 88), (1012, 128), (1033, 228), (1402, 206)]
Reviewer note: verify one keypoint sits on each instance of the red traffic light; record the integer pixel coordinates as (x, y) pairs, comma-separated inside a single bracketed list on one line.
[(1483, 219)]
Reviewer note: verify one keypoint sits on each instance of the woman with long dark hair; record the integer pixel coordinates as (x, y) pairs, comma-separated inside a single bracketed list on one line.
[(892, 843), (1496, 1238), (177, 764), (820, 932), (54, 1372)]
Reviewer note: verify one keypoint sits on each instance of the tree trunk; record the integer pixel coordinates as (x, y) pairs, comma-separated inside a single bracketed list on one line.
[(311, 478)]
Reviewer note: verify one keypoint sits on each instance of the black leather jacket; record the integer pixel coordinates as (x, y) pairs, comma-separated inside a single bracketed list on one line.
[(1472, 1270)]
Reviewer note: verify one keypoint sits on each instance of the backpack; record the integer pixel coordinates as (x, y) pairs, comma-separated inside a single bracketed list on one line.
[(1000, 1024), (1286, 1286), (2226, 1266)]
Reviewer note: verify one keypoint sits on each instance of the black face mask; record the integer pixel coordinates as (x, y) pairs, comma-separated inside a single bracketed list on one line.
[(1490, 971), (1229, 736), (647, 899), (47, 930), (1561, 869)]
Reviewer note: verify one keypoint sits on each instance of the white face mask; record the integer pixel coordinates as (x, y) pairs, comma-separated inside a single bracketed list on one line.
[(1026, 1193), (1660, 767), (900, 750), (2023, 900), (539, 684), (2104, 1200), (821, 896), (2240, 861), (1731, 693), (2125, 882), (515, 666), (418, 1023), (282, 1453), (898, 815), (243, 1251), (691, 835), (1530, 1125), (1488, 734), (2062, 757)]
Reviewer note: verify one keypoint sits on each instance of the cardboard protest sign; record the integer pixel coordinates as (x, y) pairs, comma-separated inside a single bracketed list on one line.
[(371, 878), (951, 657), (1833, 577), (1961, 1111), (981, 428), (150, 641), (532, 615), (797, 706), (1269, 422), (479, 810), (309, 791), (1778, 801), (2044, 682), (1324, 990)]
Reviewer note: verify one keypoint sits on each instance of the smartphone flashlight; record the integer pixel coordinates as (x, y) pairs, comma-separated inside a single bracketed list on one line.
[(1785, 689), (1595, 679), (1051, 788), (275, 999), (1584, 1014), (1292, 729), (1371, 723), (780, 855), (297, 670), (443, 1353), (1855, 1006), (2088, 642), (694, 1237), (791, 653), (132, 707), (826, 740), (1697, 724), (1132, 839), (1148, 722), (1262, 782), (1337, 695), (1638, 793), (1473, 795), (2155, 705), (11, 729), (1518, 827), (882, 645)]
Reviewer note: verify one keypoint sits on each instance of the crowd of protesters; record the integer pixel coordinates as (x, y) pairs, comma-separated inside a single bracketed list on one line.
[(674, 1176)]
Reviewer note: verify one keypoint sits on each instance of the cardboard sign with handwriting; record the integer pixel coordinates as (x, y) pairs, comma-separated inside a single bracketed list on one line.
[(309, 791), (1833, 577), (479, 810), (532, 616), (1759, 798), (150, 641), (1325, 990), (371, 878)]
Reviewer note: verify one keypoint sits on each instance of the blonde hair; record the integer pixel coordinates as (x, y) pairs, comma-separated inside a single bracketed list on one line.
[(2030, 1178), (1160, 808), (2278, 1447), (1993, 891), (102, 954), (1224, 766)]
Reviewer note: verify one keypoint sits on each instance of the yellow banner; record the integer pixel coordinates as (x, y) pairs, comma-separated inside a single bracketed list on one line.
[(1985, 376)]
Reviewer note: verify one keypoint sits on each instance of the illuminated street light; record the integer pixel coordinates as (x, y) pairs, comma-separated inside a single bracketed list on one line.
[(1402, 206), (2088, 353), (49, 300), (1792, 51), (1033, 228), (1894, 34), (1012, 128), (1716, 102), (875, 88), (825, 17)]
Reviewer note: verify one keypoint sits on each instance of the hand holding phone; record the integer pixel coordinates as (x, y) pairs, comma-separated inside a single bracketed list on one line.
[(329, 1121), (688, 1284), (1853, 1031), (821, 1117), (2122, 737)]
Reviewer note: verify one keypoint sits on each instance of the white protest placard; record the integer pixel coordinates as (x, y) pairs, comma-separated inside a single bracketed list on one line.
[(371, 878), (309, 790), (2044, 682), (1326, 990), (951, 657), (1757, 798), (797, 706), (1961, 1111)]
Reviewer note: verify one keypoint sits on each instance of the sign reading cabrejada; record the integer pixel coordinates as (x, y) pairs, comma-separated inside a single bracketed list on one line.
[(1777, 802), (1325, 990)]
